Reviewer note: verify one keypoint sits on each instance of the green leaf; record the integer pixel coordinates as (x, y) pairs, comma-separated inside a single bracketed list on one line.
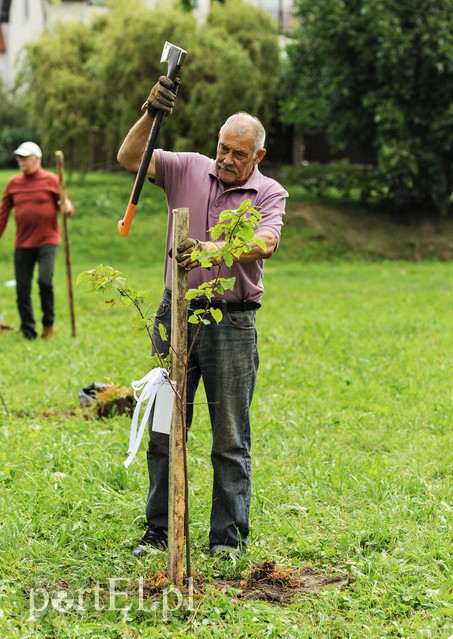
[(216, 232), (83, 277), (228, 259), (192, 293), (162, 332), (244, 205), (119, 282), (139, 323), (216, 314), (228, 283)]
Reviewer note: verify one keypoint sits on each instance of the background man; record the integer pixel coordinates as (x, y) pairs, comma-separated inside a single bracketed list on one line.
[(225, 355), (34, 194)]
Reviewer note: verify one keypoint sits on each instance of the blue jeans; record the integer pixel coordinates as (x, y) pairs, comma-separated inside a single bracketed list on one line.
[(225, 356), (25, 260)]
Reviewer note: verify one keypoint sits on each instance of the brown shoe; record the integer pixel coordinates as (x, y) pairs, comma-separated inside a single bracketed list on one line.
[(48, 331)]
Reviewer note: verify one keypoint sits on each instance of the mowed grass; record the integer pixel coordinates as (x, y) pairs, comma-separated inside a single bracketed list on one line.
[(352, 449)]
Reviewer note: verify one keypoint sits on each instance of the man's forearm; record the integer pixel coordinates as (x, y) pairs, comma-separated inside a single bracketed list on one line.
[(256, 252), (131, 150)]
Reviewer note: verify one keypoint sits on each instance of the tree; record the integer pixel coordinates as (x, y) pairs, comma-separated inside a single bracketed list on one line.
[(62, 96), (126, 62), (85, 84), (377, 74), (257, 34), (214, 92), (15, 127)]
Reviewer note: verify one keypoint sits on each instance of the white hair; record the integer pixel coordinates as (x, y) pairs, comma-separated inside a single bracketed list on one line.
[(242, 123)]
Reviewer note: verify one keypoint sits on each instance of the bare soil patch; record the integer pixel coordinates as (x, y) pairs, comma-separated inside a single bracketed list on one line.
[(264, 581), (270, 582)]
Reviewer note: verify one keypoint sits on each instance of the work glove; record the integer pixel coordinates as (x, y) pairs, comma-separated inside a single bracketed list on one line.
[(162, 96), (185, 257)]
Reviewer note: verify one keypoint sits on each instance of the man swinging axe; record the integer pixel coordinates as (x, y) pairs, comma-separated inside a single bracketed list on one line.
[(225, 355)]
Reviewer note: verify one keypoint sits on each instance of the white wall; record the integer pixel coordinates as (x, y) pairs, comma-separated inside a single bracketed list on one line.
[(26, 21), (72, 12)]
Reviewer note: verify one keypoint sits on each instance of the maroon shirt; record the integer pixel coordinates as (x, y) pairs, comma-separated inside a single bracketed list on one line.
[(35, 201), (190, 181)]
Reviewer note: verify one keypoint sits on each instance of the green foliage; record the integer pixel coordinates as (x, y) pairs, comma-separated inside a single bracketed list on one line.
[(62, 96), (126, 63), (15, 128), (236, 227), (350, 181), (257, 34), (85, 84), (210, 98), (107, 280), (377, 76)]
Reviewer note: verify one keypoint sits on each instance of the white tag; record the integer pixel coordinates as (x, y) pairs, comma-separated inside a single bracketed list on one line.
[(149, 386), (163, 410)]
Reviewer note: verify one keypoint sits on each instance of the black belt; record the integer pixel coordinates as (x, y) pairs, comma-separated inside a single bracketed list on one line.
[(230, 307)]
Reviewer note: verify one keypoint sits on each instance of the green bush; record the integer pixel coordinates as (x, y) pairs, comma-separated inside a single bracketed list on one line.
[(86, 84), (15, 128), (350, 181), (376, 76)]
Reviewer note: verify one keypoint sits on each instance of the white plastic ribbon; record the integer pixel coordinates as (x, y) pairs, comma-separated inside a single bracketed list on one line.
[(150, 388)]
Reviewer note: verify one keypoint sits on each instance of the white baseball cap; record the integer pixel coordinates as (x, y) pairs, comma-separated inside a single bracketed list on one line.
[(28, 148)]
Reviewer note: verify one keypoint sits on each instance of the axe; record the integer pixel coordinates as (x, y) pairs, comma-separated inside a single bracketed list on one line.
[(175, 56)]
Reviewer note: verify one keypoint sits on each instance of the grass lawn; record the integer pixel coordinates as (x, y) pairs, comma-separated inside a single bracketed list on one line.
[(352, 449)]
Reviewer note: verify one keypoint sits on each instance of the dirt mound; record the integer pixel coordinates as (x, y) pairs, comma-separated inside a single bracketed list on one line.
[(270, 582), (264, 581)]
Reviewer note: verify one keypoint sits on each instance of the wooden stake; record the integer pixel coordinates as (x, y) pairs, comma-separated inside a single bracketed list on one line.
[(177, 488), (59, 157)]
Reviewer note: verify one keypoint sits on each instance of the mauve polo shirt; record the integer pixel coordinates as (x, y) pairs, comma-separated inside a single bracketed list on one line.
[(190, 181)]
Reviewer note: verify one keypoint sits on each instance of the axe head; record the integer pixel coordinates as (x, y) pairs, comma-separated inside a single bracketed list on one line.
[(175, 56)]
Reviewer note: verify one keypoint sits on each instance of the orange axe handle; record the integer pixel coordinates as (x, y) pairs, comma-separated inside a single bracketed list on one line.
[(124, 225), (175, 56)]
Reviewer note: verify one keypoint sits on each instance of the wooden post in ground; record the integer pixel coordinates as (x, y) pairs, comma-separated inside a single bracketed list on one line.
[(59, 157), (177, 481)]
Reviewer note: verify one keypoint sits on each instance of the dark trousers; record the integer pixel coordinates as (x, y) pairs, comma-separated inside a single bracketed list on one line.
[(225, 357), (24, 265)]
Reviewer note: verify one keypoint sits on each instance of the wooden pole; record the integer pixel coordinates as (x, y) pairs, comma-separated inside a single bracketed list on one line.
[(60, 168), (177, 488)]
